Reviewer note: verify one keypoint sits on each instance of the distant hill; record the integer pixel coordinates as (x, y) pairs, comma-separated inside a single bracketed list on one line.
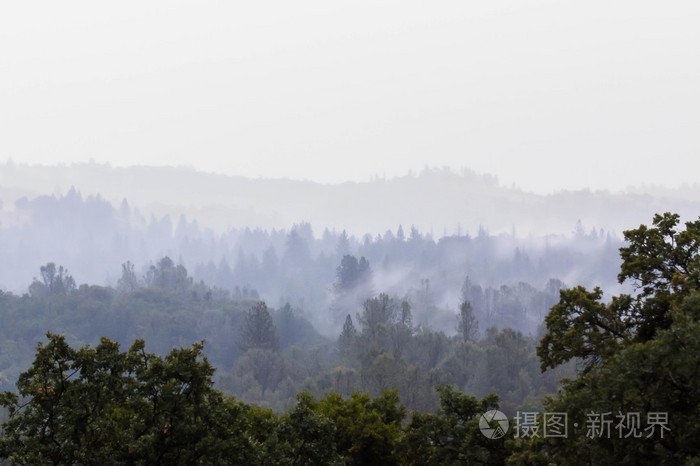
[(436, 200), (422, 236)]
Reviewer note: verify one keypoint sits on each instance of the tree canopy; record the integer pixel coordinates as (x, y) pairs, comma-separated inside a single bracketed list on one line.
[(101, 405), (259, 332), (640, 353), (104, 406)]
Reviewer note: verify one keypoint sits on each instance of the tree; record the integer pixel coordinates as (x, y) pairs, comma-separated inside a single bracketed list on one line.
[(53, 281), (467, 325), (581, 326), (103, 406), (259, 332), (352, 286), (166, 275), (266, 367), (377, 311), (367, 430), (342, 248), (306, 435), (296, 253), (400, 234), (346, 340), (128, 281), (352, 273), (640, 351), (406, 315), (402, 331), (452, 436), (663, 265)]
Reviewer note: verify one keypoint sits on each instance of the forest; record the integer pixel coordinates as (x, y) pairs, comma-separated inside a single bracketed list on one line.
[(349, 233), (387, 388), (266, 355), (93, 239)]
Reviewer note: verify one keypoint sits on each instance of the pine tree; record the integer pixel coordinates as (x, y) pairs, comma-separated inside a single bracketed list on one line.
[(346, 340), (467, 325), (259, 332)]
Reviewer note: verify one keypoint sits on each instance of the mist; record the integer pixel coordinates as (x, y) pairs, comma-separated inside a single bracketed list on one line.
[(298, 262)]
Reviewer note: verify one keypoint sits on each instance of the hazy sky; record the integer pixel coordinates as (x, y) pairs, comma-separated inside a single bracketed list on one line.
[(543, 94)]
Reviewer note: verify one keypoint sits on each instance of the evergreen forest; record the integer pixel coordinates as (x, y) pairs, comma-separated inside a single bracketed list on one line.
[(165, 369)]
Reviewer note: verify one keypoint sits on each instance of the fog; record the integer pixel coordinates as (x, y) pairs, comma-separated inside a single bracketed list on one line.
[(422, 236), (437, 201), (317, 223), (547, 95)]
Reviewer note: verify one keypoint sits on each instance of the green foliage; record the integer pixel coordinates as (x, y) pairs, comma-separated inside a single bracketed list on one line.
[(100, 405), (292, 327), (376, 312), (352, 273), (452, 436), (467, 325), (266, 367), (366, 429), (659, 375), (347, 340), (306, 436), (166, 275), (661, 259), (580, 326), (54, 281), (259, 332), (641, 353), (128, 282)]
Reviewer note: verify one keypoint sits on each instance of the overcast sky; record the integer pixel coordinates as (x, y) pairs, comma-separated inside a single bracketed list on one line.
[(544, 94)]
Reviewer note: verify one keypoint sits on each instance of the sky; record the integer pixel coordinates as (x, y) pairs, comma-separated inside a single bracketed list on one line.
[(546, 95)]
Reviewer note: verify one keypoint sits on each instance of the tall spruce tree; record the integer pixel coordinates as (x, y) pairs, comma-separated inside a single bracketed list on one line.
[(259, 332)]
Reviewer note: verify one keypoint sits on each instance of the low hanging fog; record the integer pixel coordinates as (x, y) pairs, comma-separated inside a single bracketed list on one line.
[(434, 238)]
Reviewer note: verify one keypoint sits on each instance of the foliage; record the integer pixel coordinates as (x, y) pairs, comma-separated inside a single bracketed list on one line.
[(366, 429), (580, 326), (347, 339), (467, 325), (387, 351), (641, 353), (452, 436), (53, 281), (376, 312), (259, 332), (165, 275), (352, 273), (306, 435), (101, 405), (128, 282)]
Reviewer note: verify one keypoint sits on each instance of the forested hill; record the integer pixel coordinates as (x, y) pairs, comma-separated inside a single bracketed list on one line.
[(630, 397), (436, 201), (92, 239), (266, 355)]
